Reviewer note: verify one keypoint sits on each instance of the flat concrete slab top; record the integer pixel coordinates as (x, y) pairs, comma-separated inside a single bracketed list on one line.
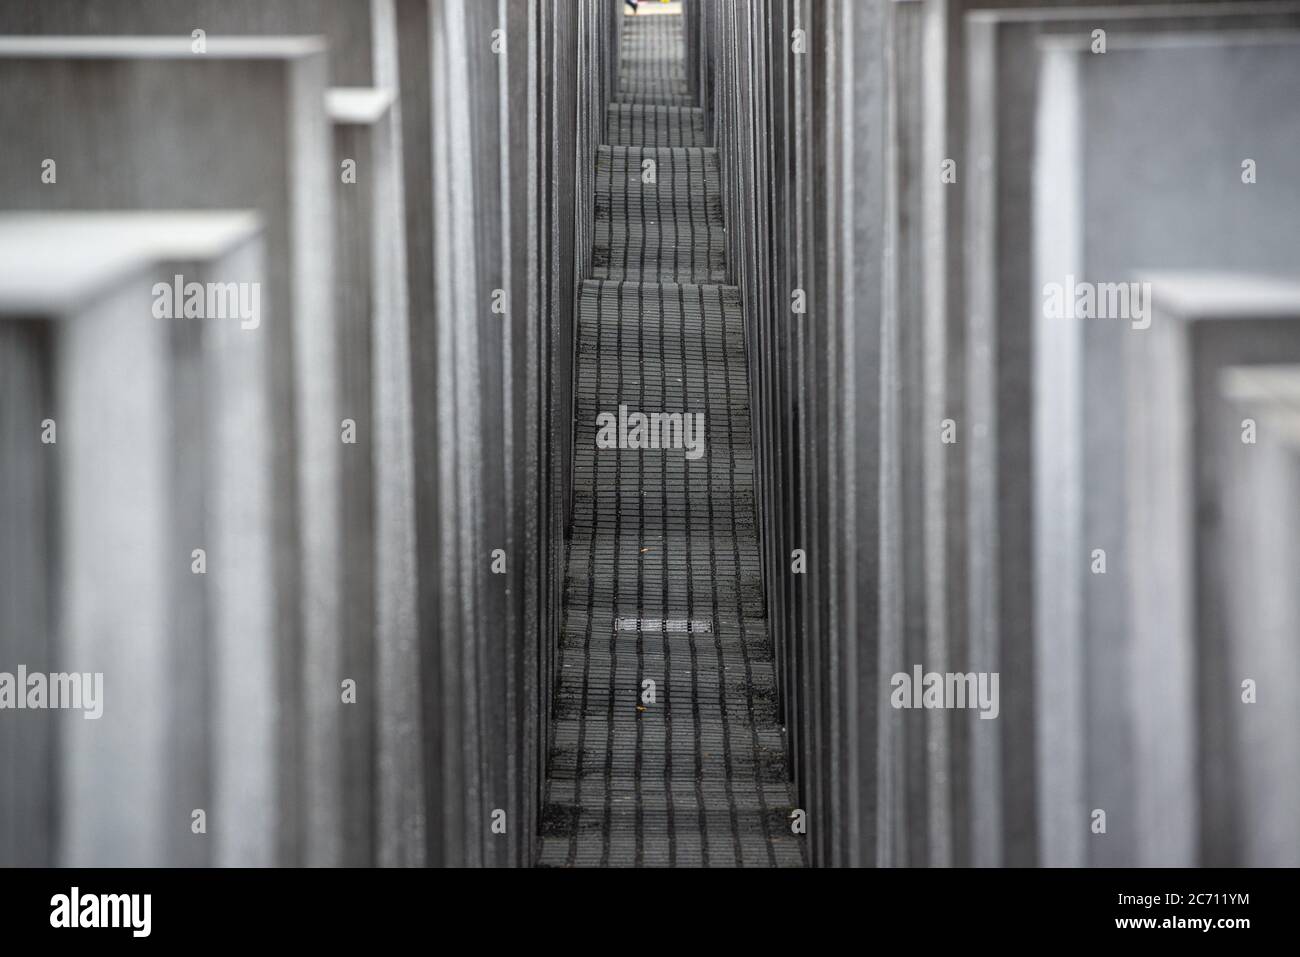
[(357, 105), (1203, 295), (54, 260), (136, 47)]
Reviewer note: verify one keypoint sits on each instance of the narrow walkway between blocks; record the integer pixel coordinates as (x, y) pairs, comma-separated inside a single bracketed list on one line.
[(663, 582)]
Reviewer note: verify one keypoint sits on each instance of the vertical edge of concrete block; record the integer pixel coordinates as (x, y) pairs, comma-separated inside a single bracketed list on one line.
[(982, 434), (242, 582), (1059, 551), (320, 449), (28, 506)]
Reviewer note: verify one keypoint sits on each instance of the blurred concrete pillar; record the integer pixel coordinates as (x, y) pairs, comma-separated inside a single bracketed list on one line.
[(1259, 569), (343, 738), (28, 597), (381, 759), (362, 39), (1059, 187), (1185, 697), (415, 26), (1147, 163), (148, 123), (356, 31), (148, 413), (244, 584)]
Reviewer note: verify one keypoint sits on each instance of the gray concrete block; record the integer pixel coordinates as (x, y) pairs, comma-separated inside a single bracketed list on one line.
[(1035, 437), (357, 32), (917, 491), (456, 317), (381, 762), (27, 595), (465, 115), (864, 796), (1184, 697), (551, 310), (136, 481), (1258, 571), (1139, 85), (146, 123), (415, 25)]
